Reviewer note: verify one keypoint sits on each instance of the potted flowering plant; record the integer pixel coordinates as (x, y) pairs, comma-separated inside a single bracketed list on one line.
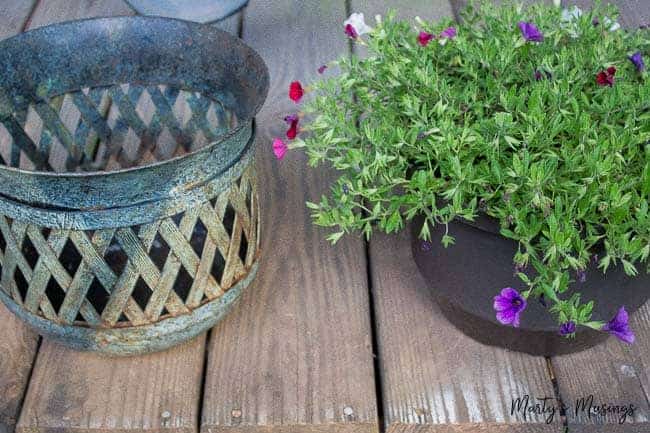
[(517, 144)]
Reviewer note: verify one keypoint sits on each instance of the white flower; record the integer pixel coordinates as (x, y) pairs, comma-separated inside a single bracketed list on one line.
[(358, 23), (571, 15), (569, 20), (613, 25), (557, 3)]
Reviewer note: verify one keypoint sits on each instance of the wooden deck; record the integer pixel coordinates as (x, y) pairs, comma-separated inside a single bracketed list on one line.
[(328, 339)]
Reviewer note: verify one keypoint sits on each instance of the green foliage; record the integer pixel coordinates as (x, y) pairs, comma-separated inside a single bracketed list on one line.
[(448, 131)]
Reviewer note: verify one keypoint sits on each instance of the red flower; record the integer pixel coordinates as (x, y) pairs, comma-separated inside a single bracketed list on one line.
[(424, 38), (293, 128), (606, 77), (296, 92)]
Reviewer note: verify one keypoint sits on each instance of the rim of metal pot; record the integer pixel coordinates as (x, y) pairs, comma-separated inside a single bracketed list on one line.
[(202, 34)]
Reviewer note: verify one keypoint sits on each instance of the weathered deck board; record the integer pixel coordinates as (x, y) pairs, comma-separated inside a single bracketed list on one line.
[(14, 15), (17, 343), (17, 350), (72, 391), (434, 378), (296, 352), (614, 373)]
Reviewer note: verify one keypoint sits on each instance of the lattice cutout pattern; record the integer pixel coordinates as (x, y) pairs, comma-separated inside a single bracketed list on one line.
[(135, 275), (109, 128)]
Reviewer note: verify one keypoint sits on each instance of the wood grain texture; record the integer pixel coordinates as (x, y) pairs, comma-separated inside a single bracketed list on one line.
[(434, 378), (73, 391), (295, 355), (17, 343), (56, 11), (14, 15), (17, 350)]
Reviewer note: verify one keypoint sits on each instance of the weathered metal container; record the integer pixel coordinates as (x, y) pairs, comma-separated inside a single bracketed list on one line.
[(200, 11), (129, 218)]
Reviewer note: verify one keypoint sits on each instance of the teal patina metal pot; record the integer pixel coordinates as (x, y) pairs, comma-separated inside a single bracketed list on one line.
[(129, 217)]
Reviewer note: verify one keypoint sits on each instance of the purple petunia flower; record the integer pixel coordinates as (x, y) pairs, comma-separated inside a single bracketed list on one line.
[(619, 327), (322, 69), (637, 59), (291, 118), (594, 259), (568, 328), (425, 246), (538, 75), (530, 32), (449, 32), (509, 304), (581, 275)]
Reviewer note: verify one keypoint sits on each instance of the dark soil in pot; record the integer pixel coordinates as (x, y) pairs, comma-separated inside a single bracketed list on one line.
[(466, 276)]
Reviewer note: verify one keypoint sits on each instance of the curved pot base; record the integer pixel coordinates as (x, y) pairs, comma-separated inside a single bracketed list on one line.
[(136, 340), (465, 277)]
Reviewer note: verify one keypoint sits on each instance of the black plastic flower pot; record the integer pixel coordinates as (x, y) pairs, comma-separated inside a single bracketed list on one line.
[(465, 277)]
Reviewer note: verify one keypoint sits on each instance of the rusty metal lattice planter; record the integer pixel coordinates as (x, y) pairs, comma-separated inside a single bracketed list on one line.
[(129, 217)]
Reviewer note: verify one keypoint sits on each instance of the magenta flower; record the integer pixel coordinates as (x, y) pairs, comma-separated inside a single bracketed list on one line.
[(322, 69), (619, 327), (637, 59), (568, 328), (530, 32), (449, 33), (279, 148), (350, 31), (355, 26), (508, 305), (424, 38)]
